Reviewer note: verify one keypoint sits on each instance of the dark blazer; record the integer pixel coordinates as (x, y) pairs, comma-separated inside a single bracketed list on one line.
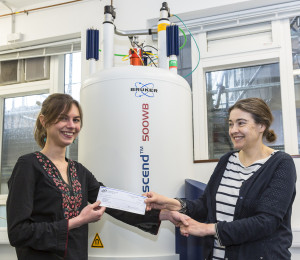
[(261, 228)]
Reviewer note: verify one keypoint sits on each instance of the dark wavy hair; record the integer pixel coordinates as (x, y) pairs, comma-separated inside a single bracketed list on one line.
[(52, 107)]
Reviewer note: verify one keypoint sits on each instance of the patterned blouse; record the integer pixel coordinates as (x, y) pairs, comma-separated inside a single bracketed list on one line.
[(71, 194)]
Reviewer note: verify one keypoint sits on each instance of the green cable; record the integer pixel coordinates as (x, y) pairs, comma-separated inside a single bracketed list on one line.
[(195, 43), (120, 55), (185, 39)]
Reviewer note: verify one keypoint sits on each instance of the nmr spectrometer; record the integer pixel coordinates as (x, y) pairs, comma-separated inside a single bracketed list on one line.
[(137, 133)]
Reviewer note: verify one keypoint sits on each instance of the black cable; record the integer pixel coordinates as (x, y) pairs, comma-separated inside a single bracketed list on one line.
[(151, 47)]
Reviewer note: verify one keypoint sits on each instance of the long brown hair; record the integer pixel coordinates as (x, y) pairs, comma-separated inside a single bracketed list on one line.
[(52, 107), (260, 112)]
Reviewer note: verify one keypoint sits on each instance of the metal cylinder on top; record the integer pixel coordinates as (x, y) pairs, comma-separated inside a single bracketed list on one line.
[(163, 60), (137, 136), (108, 39)]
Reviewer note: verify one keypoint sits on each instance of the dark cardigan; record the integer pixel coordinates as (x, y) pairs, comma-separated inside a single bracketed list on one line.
[(36, 224), (261, 228)]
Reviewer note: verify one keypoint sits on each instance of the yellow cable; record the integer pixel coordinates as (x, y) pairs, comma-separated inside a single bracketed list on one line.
[(149, 53), (125, 58)]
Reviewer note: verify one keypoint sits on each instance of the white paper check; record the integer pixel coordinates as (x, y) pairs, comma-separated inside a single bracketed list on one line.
[(123, 200)]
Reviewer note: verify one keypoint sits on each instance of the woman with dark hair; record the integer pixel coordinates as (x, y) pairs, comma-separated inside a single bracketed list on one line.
[(245, 211), (47, 205)]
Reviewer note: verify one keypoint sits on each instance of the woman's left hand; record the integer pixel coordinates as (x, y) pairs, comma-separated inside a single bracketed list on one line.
[(196, 228)]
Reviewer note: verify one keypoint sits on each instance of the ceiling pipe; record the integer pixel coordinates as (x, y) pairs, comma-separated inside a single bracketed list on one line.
[(135, 32), (39, 8)]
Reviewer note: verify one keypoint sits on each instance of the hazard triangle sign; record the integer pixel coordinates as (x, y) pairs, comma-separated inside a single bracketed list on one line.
[(97, 243)]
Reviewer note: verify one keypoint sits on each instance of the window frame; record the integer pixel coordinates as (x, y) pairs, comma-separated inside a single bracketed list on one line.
[(3, 230), (53, 85), (278, 51)]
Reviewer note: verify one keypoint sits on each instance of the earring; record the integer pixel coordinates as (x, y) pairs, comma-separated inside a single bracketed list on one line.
[(45, 139)]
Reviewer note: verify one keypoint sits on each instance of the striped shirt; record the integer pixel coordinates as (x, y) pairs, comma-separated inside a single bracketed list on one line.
[(228, 192)]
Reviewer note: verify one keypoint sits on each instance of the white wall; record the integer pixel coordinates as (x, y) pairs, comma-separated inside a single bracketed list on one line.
[(53, 22)]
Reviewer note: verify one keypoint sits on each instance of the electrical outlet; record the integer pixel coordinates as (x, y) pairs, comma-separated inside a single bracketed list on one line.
[(13, 37)]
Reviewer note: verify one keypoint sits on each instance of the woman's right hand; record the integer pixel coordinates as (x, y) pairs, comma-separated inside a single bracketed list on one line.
[(90, 213), (157, 201), (175, 217)]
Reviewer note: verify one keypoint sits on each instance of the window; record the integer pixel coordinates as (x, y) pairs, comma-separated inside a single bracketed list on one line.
[(24, 70), (295, 37), (236, 64), (225, 87), (72, 87), (37, 68), (10, 72), (73, 74), (20, 114), (3, 211), (184, 59)]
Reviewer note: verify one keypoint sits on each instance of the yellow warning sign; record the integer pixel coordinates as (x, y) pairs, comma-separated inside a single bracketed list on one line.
[(97, 243)]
